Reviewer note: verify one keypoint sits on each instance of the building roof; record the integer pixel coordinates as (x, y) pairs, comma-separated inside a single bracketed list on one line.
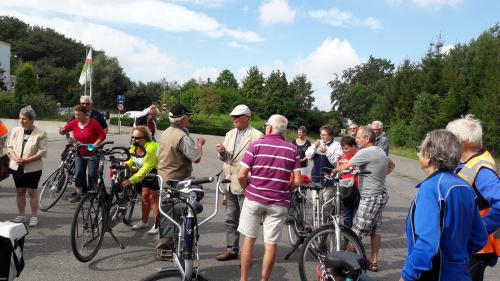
[(4, 43)]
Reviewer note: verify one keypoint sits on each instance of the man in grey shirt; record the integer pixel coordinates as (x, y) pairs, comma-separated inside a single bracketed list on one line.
[(380, 139), (372, 189)]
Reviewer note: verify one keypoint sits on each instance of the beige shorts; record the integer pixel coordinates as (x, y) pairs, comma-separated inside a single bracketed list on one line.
[(272, 217)]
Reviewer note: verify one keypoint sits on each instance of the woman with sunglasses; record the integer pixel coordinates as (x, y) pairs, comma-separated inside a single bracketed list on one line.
[(142, 139)]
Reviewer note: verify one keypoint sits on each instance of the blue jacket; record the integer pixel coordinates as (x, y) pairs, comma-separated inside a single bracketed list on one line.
[(444, 229)]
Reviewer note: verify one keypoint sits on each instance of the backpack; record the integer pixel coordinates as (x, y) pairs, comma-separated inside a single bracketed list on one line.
[(11, 249)]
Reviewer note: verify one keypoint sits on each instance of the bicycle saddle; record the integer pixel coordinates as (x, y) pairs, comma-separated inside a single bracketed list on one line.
[(349, 261), (313, 186)]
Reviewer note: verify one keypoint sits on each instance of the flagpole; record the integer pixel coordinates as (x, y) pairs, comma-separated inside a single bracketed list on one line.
[(91, 73), (85, 84)]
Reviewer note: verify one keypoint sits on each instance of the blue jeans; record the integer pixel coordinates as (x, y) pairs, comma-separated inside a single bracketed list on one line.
[(82, 168), (349, 213)]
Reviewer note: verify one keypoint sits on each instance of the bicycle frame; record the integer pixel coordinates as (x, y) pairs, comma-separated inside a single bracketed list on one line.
[(188, 227)]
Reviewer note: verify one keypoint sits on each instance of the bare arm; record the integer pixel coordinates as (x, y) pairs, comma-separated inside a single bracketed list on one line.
[(243, 176), (390, 166)]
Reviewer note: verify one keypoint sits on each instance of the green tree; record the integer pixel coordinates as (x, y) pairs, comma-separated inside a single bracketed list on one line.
[(226, 80), (252, 85), (423, 114), (208, 101), (108, 81), (276, 94), (26, 82), (301, 91)]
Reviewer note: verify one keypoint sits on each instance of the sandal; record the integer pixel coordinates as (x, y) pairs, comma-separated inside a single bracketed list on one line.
[(373, 267)]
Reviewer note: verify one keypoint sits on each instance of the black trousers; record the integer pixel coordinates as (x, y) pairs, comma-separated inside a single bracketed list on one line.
[(478, 264)]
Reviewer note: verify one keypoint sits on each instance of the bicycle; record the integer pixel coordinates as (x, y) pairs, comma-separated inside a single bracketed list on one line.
[(54, 186), (186, 258), (345, 266), (329, 237), (104, 207), (298, 226)]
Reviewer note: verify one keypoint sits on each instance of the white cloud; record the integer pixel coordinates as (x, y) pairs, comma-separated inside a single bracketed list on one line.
[(337, 17), (320, 66), (141, 60), (236, 45), (152, 13), (447, 48), (206, 3), (276, 11), (332, 57), (204, 73), (425, 4)]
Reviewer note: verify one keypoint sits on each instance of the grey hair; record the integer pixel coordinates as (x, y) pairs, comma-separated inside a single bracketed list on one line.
[(28, 112), (353, 124), (86, 98), (443, 148), (278, 123), (467, 129), (366, 131), (378, 123), (175, 121)]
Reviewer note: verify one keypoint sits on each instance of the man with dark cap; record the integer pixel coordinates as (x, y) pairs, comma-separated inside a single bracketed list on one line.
[(176, 154)]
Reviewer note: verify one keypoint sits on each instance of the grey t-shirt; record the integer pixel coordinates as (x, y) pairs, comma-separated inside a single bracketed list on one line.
[(371, 159)]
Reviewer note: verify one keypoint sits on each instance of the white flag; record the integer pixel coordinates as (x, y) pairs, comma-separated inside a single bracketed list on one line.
[(87, 69)]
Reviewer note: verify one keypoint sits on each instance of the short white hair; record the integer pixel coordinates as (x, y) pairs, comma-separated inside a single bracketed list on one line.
[(85, 98), (278, 123), (378, 124), (175, 120), (467, 129)]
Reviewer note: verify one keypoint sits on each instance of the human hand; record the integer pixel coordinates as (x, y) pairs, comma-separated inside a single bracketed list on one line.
[(220, 148), (201, 141), (62, 131), (323, 149), (125, 183), (317, 143), (401, 279)]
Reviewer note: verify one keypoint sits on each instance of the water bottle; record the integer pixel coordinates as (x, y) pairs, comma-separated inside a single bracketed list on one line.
[(90, 147)]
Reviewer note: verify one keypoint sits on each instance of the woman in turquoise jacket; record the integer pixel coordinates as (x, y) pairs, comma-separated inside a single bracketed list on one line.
[(141, 136), (443, 226)]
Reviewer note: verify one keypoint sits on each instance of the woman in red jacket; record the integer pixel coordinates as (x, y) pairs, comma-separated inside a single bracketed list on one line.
[(87, 131)]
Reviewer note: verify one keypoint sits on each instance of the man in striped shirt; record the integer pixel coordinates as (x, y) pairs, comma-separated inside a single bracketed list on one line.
[(267, 192)]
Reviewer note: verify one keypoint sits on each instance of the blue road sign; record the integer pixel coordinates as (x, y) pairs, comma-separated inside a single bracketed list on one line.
[(121, 99)]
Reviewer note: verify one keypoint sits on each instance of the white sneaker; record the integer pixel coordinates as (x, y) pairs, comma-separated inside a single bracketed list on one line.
[(33, 222), (19, 219), (140, 225), (153, 230)]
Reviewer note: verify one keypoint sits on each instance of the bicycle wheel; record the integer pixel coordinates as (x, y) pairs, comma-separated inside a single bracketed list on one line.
[(171, 274), (317, 246), (87, 227), (130, 196), (53, 188), (297, 227)]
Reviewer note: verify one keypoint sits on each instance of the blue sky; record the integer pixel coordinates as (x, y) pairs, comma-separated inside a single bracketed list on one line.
[(183, 39)]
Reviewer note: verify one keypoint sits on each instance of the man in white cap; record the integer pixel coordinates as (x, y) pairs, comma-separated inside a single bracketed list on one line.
[(231, 152)]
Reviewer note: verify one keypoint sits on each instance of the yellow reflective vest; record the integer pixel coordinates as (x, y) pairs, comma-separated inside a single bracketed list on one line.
[(469, 173)]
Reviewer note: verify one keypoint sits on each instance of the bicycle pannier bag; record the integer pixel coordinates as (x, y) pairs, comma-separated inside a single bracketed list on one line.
[(11, 249)]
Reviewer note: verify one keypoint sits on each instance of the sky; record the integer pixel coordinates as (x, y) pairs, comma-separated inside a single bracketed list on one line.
[(183, 39)]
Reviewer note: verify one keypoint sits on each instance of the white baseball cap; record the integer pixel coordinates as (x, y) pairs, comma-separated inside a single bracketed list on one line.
[(241, 109)]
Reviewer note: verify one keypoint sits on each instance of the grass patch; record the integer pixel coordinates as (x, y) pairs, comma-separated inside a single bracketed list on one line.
[(404, 152)]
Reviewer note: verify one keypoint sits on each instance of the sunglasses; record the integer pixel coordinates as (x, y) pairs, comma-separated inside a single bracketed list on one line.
[(137, 138), (85, 103), (352, 128)]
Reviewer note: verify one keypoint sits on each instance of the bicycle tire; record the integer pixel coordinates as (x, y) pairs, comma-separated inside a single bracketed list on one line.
[(52, 189), (171, 274), (131, 197), (296, 225), (93, 217), (315, 249)]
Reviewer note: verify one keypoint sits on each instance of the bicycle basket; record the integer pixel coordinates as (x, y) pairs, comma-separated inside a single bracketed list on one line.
[(346, 186)]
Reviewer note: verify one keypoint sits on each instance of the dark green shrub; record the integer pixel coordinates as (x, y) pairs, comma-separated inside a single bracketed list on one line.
[(399, 133)]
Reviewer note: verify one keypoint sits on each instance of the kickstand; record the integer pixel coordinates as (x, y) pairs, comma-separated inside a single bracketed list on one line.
[(295, 247), (116, 239)]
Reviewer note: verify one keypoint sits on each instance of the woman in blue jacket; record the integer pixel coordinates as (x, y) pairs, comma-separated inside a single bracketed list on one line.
[(443, 226)]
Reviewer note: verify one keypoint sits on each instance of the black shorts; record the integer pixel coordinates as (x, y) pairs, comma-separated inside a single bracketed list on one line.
[(26, 180), (151, 183)]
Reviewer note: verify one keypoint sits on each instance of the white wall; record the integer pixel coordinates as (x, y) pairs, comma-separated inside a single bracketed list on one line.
[(5, 61)]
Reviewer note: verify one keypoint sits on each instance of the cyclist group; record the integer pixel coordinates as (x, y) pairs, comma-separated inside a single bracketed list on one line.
[(445, 230)]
